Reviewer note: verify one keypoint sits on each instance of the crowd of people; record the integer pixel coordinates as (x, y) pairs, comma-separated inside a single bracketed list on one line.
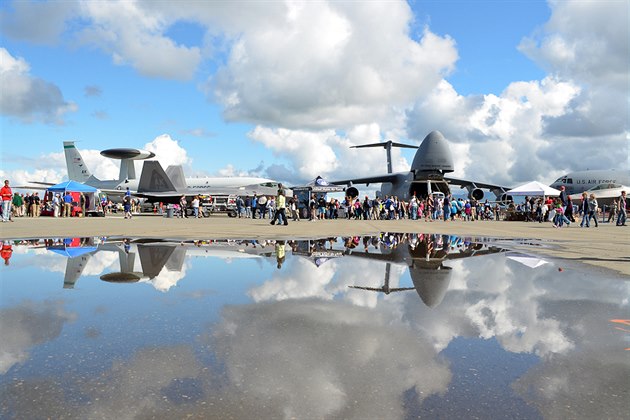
[(279, 209)]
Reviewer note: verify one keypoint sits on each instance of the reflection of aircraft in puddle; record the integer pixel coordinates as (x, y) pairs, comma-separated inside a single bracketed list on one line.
[(78, 251), (425, 259), (154, 257)]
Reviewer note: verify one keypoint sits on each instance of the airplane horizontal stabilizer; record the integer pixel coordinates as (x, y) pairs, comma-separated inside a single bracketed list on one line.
[(385, 145)]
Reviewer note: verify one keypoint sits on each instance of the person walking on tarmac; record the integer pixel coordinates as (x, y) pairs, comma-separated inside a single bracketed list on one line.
[(280, 209)]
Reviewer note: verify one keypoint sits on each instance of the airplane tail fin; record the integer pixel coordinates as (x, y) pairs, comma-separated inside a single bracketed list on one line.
[(154, 179), (388, 147), (77, 170), (176, 175)]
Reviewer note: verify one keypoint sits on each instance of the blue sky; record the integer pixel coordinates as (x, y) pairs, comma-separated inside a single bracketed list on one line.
[(282, 89)]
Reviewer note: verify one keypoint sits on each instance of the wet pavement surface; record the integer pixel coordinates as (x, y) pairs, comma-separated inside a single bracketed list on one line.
[(390, 326)]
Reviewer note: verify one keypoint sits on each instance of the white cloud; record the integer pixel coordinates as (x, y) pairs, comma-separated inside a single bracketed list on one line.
[(50, 17), (29, 98), (352, 76), (133, 36), (168, 151)]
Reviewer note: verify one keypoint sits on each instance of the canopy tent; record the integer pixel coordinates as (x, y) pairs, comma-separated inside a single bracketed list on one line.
[(92, 196), (317, 187), (320, 185), (71, 186), (71, 252), (534, 188)]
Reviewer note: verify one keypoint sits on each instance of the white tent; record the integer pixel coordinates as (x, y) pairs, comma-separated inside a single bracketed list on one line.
[(528, 260), (534, 188)]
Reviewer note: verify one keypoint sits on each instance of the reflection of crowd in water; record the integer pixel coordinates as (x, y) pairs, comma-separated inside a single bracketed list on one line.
[(429, 244)]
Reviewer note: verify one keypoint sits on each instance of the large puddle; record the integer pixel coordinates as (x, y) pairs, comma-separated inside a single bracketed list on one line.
[(393, 326)]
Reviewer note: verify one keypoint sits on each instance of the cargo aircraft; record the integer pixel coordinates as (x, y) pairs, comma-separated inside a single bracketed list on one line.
[(427, 176)]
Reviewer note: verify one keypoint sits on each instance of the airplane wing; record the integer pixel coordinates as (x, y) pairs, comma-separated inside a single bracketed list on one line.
[(475, 187), (50, 184), (30, 187), (368, 180), (466, 182)]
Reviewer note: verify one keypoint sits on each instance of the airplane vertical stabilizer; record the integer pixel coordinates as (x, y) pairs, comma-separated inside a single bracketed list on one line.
[(153, 179), (77, 170), (176, 175)]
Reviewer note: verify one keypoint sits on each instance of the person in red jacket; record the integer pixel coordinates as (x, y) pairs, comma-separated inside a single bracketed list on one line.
[(6, 251), (7, 198)]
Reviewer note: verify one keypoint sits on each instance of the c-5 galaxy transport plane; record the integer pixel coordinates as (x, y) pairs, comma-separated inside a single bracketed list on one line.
[(427, 175)]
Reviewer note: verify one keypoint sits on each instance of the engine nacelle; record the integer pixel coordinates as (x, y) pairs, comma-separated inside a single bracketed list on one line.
[(352, 192), (506, 198), (475, 194)]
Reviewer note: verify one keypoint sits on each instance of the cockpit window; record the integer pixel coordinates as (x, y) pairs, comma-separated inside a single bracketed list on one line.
[(569, 180)]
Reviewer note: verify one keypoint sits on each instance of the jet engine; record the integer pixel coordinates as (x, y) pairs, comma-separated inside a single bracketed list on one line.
[(475, 193), (502, 195), (352, 192)]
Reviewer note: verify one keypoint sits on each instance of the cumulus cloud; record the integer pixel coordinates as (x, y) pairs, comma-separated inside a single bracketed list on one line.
[(168, 151), (50, 17), (351, 76), (137, 38), (29, 98), (323, 153)]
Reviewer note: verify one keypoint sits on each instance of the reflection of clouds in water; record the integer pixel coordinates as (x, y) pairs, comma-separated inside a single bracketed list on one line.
[(167, 278), (315, 359), (528, 310), (274, 360), (27, 325), (99, 262), (595, 378), (301, 279)]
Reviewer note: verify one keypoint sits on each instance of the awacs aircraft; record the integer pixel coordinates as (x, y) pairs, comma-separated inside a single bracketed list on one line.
[(427, 175), (78, 171), (577, 182)]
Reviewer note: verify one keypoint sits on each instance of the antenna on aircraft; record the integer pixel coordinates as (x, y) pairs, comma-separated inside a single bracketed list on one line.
[(387, 145), (126, 156)]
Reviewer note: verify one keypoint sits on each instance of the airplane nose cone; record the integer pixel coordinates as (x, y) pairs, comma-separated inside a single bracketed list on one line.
[(433, 154)]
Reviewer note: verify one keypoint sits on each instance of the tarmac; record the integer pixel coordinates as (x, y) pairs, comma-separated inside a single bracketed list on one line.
[(606, 247)]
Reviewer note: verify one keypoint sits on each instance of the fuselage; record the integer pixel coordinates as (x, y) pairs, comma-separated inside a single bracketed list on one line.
[(580, 181), (200, 184)]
